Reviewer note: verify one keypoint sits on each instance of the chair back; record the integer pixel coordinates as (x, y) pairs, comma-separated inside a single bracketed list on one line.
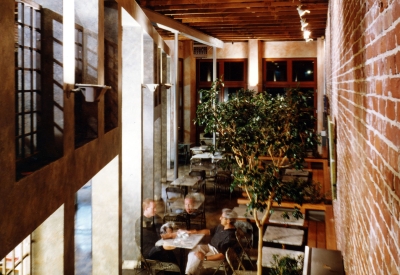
[(178, 220), (242, 239), (200, 186), (245, 231), (198, 173), (233, 260), (173, 193)]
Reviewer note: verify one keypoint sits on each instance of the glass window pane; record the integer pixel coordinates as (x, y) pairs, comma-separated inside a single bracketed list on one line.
[(276, 71), (203, 98), (309, 92), (206, 71), (233, 71), (276, 91), (303, 71), (229, 92)]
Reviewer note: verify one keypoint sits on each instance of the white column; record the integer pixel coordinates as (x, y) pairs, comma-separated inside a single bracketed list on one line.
[(131, 103), (105, 220)]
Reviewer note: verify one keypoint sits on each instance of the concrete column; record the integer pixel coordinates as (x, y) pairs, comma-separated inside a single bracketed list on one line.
[(164, 116), (131, 101), (48, 245), (148, 118), (105, 220), (157, 159), (254, 78)]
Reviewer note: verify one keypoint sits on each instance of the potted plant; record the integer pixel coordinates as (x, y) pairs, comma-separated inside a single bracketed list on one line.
[(254, 124), (286, 265)]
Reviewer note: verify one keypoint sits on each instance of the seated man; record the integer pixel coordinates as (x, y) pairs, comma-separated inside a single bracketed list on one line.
[(191, 211), (189, 204), (151, 234), (223, 236)]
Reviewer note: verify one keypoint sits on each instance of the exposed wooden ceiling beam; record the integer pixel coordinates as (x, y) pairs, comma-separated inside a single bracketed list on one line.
[(183, 29), (214, 18)]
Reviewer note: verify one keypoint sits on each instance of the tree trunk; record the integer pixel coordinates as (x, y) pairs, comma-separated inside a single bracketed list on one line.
[(260, 246)]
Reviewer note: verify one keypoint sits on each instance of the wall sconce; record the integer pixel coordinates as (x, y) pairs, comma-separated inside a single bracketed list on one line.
[(303, 24), (91, 92), (166, 85), (302, 12), (151, 87)]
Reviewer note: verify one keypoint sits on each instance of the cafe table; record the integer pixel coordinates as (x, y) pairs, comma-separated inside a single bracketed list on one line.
[(200, 148), (242, 213), (188, 242), (186, 180), (284, 235), (214, 157), (277, 217), (297, 173), (268, 252), (287, 178)]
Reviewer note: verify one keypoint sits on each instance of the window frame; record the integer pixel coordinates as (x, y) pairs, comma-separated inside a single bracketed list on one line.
[(220, 69), (312, 85), (289, 83)]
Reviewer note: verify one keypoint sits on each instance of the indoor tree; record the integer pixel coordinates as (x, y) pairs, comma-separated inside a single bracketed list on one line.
[(251, 125)]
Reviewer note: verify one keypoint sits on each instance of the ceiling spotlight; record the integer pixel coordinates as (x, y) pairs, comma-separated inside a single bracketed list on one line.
[(306, 34), (302, 12), (303, 24)]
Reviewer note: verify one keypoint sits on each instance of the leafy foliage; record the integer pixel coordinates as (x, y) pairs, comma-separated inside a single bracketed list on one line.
[(286, 265), (254, 124)]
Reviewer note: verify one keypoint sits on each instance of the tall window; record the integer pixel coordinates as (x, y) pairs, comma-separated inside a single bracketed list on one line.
[(27, 80), (111, 79), (18, 261), (28, 94), (280, 74), (233, 73)]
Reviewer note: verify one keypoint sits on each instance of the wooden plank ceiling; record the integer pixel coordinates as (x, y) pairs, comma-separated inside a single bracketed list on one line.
[(241, 20)]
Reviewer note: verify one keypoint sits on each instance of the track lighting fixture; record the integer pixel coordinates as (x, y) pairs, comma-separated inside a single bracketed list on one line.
[(303, 24), (306, 34), (302, 12)]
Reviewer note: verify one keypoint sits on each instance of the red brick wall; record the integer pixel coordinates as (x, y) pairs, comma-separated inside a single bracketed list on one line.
[(363, 87)]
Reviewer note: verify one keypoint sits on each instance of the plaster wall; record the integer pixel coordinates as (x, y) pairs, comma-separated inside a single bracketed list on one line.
[(105, 220), (48, 245), (289, 49)]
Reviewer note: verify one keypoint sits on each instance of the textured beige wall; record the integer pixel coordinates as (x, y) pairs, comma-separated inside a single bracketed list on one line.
[(105, 221), (289, 49), (48, 245)]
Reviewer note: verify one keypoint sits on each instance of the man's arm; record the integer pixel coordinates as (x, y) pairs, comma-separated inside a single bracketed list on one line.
[(168, 235), (216, 257), (202, 231)]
